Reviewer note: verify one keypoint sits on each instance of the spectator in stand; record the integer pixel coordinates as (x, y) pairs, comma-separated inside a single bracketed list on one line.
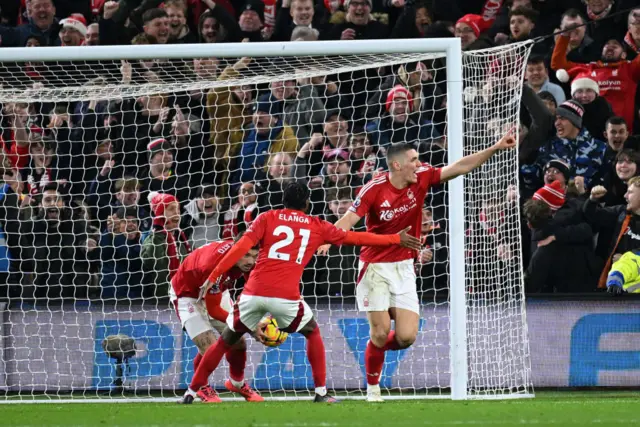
[(603, 26), (127, 194), (624, 219), (164, 248), (632, 38), (293, 14), (305, 34), (616, 77), (617, 136), (300, 103), (359, 24), (251, 21), (576, 45), (119, 250), (265, 137), (41, 169), (433, 261), (522, 21), (73, 30), (202, 218), (624, 166), (559, 231), (217, 24), (179, 31), (549, 101), (240, 216), (574, 145), (397, 125), (414, 20), (596, 109), (365, 161), (156, 25), (469, 29), (56, 246), (92, 38), (160, 176), (336, 135), (537, 77), (42, 23), (280, 172)]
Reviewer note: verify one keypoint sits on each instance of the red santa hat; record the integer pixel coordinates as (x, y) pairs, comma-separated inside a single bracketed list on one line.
[(474, 21), (552, 194), (580, 77), (399, 91), (159, 202), (76, 22)]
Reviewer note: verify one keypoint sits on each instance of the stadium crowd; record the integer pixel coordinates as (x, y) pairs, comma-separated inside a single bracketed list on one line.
[(103, 198)]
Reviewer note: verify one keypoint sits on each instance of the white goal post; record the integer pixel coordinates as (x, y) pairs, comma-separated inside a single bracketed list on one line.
[(473, 341)]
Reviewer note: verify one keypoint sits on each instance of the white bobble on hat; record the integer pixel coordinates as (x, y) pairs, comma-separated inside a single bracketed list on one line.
[(152, 195), (562, 75)]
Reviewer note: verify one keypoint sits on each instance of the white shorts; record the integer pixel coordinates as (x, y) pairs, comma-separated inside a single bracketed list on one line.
[(193, 315), (250, 309), (387, 284)]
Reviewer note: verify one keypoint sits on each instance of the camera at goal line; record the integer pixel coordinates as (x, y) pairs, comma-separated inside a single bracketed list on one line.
[(273, 335)]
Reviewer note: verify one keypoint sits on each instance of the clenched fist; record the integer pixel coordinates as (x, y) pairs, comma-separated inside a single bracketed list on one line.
[(598, 193)]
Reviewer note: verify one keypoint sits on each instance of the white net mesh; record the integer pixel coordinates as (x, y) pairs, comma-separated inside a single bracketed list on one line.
[(223, 135)]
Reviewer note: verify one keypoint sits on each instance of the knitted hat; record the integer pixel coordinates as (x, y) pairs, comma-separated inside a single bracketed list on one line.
[(268, 105), (76, 22), (562, 167), (571, 110), (473, 21), (584, 81), (159, 202), (399, 91), (156, 145), (257, 6), (552, 194)]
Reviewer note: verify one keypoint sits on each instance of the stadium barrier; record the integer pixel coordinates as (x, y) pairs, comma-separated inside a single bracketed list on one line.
[(574, 343)]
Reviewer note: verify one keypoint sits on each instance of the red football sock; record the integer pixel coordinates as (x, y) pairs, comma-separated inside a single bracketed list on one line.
[(373, 362), (316, 356), (209, 363), (196, 361), (237, 360), (391, 343)]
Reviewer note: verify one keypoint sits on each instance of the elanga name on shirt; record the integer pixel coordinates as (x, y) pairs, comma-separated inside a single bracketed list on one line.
[(293, 218)]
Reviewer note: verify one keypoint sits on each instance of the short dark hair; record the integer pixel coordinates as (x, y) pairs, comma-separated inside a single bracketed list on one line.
[(295, 196), (124, 212), (396, 149), (208, 190), (535, 59), (537, 213), (51, 186), (152, 14), (616, 120), (573, 13), (530, 14), (629, 154), (547, 96)]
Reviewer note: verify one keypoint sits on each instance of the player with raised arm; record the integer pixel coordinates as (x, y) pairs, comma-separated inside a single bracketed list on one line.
[(199, 318), (287, 238), (386, 282)]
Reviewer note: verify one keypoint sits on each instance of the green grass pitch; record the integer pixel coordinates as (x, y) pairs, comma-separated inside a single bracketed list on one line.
[(547, 409)]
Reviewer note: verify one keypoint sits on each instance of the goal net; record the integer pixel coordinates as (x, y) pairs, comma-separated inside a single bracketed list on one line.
[(89, 133)]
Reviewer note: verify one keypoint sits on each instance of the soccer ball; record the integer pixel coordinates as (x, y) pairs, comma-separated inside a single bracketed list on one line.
[(274, 336)]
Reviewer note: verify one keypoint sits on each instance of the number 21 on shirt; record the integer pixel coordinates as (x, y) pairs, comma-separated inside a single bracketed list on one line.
[(280, 250)]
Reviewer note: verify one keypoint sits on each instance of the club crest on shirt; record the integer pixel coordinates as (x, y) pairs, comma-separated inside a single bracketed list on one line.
[(410, 194)]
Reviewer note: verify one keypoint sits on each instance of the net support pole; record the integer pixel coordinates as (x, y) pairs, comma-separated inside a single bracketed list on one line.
[(457, 299)]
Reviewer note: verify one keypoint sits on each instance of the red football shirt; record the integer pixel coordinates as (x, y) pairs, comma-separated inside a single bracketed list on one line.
[(288, 239), (389, 211), (197, 267)]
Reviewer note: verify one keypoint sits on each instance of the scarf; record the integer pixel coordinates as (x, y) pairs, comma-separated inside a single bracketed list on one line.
[(172, 247), (629, 41), (595, 16), (602, 282), (490, 12)]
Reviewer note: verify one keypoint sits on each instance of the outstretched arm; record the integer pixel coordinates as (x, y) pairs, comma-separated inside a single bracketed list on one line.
[(472, 161), (355, 238)]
